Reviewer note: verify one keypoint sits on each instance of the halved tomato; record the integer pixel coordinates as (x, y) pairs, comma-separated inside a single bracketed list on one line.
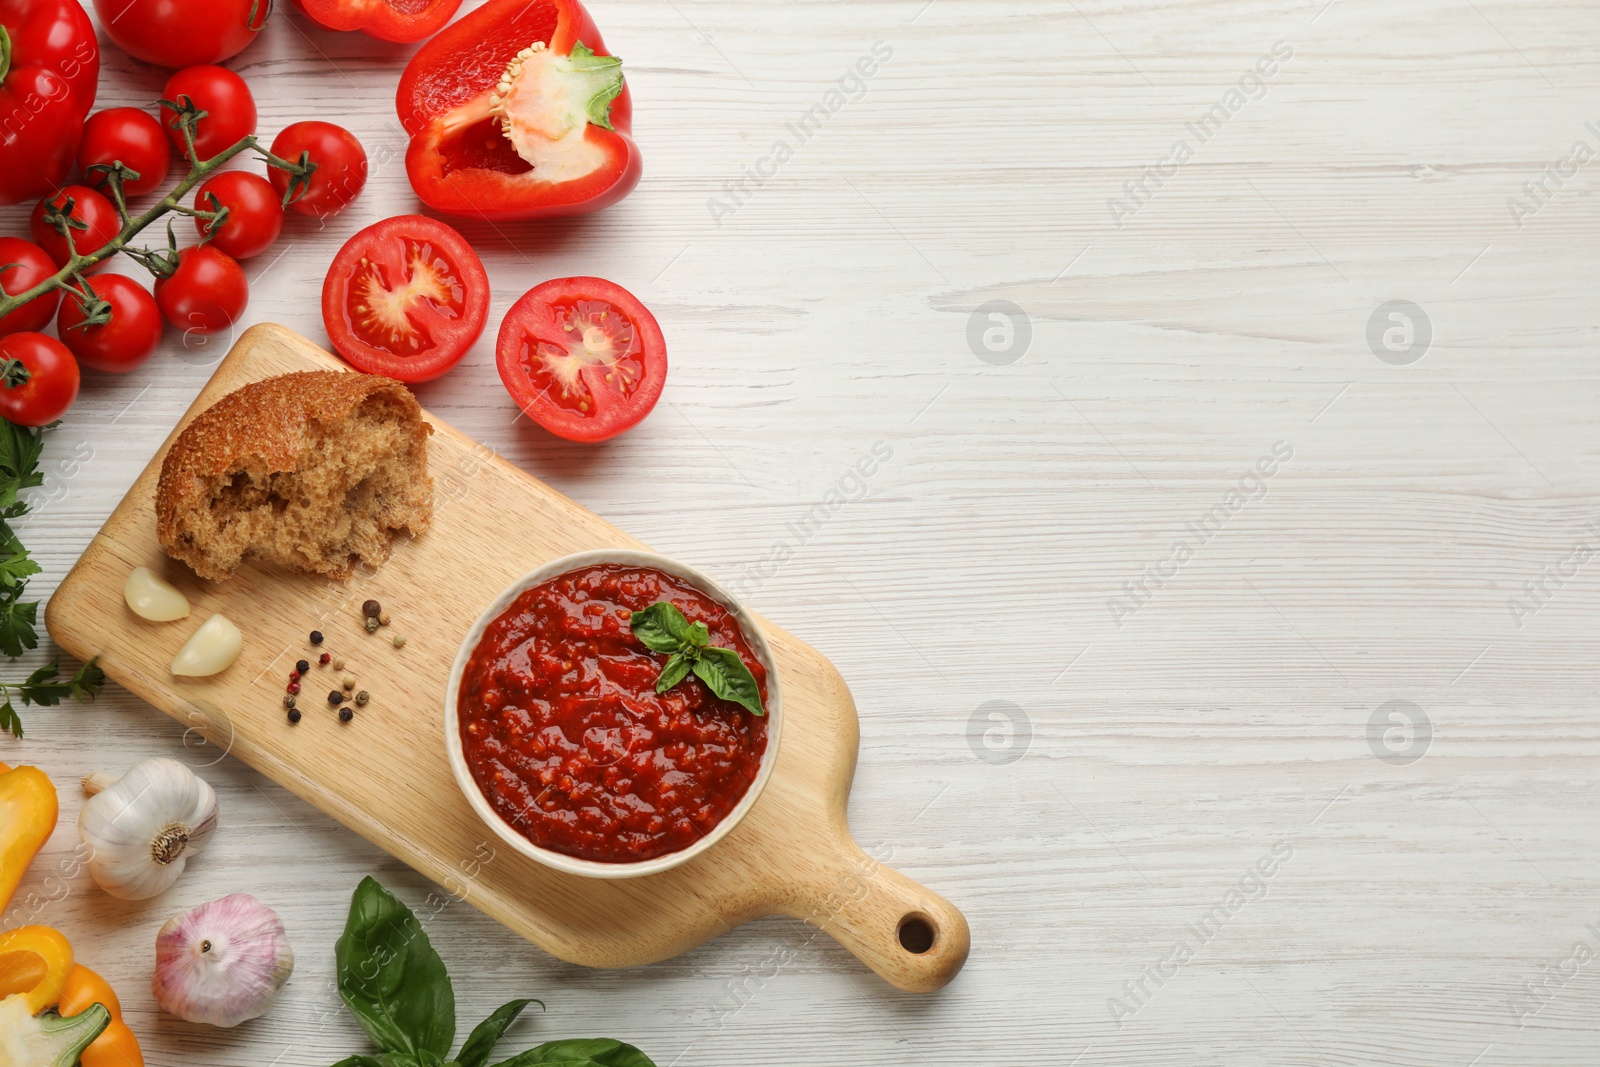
[(583, 357), (405, 298)]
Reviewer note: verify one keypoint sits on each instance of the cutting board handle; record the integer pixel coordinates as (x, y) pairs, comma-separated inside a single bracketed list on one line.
[(911, 936)]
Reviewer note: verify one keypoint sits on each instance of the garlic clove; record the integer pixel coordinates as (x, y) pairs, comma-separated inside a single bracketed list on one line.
[(210, 650), (152, 598), (223, 962), (141, 830)]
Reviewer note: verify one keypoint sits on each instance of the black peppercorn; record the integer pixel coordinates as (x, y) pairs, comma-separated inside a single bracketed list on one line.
[(303, 666), (294, 714), (371, 609), (335, 697), (316, 637), (345, 714)]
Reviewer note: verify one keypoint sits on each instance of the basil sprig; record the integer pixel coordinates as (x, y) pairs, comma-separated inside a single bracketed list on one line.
[(396, 986), (661, 627)]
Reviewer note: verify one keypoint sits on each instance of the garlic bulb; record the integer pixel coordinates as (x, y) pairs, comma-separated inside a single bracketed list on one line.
[(223, 962), (142, 829), (151, 598), (213, 648)]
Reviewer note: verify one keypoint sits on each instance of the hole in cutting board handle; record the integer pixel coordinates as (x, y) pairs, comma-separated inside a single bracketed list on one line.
[(917, 934)]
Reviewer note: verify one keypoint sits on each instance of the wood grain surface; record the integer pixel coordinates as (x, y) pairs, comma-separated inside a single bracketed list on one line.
[(1161, 758)]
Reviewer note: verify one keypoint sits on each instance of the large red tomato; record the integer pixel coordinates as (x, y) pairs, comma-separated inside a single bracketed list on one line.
[(405, 298), (182, 33), (583, 357)]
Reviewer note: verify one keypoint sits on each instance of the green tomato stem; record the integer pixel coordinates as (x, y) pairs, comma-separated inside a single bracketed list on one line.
[(132, 225)]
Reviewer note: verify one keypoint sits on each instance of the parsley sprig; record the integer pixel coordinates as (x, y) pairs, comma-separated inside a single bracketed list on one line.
[(661, 627), (44, 688), (20, 447)]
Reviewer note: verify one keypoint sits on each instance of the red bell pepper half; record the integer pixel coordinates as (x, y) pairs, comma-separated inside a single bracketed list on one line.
[(401, 21), (49, 66), (518, 112)]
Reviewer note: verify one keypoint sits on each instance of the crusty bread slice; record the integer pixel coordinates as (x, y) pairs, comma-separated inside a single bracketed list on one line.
[(315, 471)]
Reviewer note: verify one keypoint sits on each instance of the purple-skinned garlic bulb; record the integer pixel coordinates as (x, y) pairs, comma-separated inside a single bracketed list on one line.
[(223, 962)]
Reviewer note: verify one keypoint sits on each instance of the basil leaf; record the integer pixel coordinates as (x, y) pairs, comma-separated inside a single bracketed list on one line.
[(391, 978), (661, 627), (481, 1042), (699, 636), (676, 670), (581, 1052), (726, 675)]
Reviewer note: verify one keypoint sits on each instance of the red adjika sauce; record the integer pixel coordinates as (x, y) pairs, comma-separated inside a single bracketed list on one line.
[(568, 739)]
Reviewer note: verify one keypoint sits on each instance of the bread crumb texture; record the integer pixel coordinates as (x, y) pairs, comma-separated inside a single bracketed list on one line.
[(315, 471)]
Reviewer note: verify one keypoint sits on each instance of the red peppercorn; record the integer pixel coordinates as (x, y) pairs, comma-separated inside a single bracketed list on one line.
[(294, 687), (294, 676), (324, 658)]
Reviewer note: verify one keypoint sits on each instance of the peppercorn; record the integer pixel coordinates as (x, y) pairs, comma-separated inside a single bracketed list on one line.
[(372, 624), (294, 715), (346, 714), (335, 697), (288, 700), (399, 640), (294, 687), (371, 609), (294, 676), (383, 618), (362, 698), (338, 664), (348, 682), (303, 667), (323, 659), (316, 637)]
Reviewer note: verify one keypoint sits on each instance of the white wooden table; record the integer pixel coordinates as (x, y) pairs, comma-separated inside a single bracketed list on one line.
[(1095, 772)]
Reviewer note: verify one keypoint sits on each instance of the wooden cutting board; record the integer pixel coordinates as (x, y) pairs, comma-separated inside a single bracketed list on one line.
[(385, 774)]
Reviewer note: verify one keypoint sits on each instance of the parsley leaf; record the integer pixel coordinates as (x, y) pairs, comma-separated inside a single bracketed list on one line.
[(44, 688)]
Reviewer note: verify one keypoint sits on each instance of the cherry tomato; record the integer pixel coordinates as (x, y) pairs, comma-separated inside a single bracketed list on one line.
[(181, 33), (206, 293), (583, 357), (405, 298), (128, 134), (255, 212), (341, 166), (98, 215), (24, 265), (120, 345), (223, 96), (51, 373)]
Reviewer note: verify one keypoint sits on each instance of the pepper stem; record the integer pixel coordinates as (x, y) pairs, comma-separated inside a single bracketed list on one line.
[(5, 53)]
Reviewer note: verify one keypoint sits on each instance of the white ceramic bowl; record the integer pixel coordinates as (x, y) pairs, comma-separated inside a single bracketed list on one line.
[(594, 868)]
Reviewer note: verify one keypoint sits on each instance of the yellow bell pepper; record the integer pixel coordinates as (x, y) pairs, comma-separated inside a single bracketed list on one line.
[(86, 1028), (34, 964), (36, 971), (37, 968), (116, 1046), (28, 813)]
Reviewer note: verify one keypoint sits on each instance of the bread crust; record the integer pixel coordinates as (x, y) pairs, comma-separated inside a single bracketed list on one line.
[(261, 428)]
